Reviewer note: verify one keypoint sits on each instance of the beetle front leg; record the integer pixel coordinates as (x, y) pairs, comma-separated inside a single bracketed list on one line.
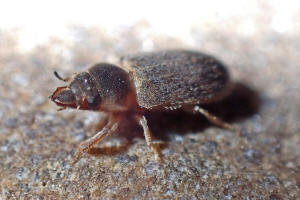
[(109, 128), (148, 136)]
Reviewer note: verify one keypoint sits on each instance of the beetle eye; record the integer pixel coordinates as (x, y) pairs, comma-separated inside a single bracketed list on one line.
[(93, 101), (65, 96)]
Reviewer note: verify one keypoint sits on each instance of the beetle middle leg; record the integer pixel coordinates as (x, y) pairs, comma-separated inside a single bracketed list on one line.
[(215, 120), (109, 128), (148, 136)]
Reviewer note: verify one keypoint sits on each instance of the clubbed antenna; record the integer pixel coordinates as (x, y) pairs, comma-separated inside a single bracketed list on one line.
[(60, 78)]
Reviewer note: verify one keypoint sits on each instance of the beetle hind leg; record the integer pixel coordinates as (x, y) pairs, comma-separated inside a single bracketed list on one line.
[(148, 136), (217, 121)]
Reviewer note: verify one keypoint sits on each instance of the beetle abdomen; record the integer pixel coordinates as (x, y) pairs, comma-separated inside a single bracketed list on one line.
[(176, 78)]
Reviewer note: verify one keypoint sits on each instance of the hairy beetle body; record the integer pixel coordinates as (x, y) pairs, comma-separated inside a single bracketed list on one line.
[(158, 80)]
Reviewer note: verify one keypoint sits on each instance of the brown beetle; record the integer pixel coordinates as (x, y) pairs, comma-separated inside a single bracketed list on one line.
[(174, 79)]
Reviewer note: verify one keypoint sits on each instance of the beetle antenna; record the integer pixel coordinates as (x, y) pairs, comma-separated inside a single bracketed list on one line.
[(60, 78)]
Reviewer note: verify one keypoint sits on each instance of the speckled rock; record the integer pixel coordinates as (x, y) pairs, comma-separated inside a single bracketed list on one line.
[(200, 161)]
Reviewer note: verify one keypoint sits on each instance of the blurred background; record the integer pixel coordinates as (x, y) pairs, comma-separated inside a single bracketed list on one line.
[(34, 22)]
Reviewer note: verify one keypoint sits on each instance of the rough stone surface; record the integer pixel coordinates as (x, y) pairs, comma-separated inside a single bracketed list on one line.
[(200, 161)]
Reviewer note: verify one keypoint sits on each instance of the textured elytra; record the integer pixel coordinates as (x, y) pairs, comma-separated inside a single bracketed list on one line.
[(176, 77)]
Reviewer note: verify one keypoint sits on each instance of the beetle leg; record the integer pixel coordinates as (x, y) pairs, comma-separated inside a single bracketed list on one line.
[(215, 120), (62, 108), (109, 128), (148, 136)]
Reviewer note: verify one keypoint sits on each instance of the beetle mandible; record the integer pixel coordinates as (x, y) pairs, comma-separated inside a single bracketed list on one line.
[(162, 80)]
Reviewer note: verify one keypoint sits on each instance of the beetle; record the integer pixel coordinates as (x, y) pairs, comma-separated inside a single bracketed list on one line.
[(162, 80)]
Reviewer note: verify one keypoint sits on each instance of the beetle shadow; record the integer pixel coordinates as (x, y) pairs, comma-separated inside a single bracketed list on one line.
[(242, 102)]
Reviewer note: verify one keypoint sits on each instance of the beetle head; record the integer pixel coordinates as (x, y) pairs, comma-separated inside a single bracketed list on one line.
[(81, 93), (103, 87)]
